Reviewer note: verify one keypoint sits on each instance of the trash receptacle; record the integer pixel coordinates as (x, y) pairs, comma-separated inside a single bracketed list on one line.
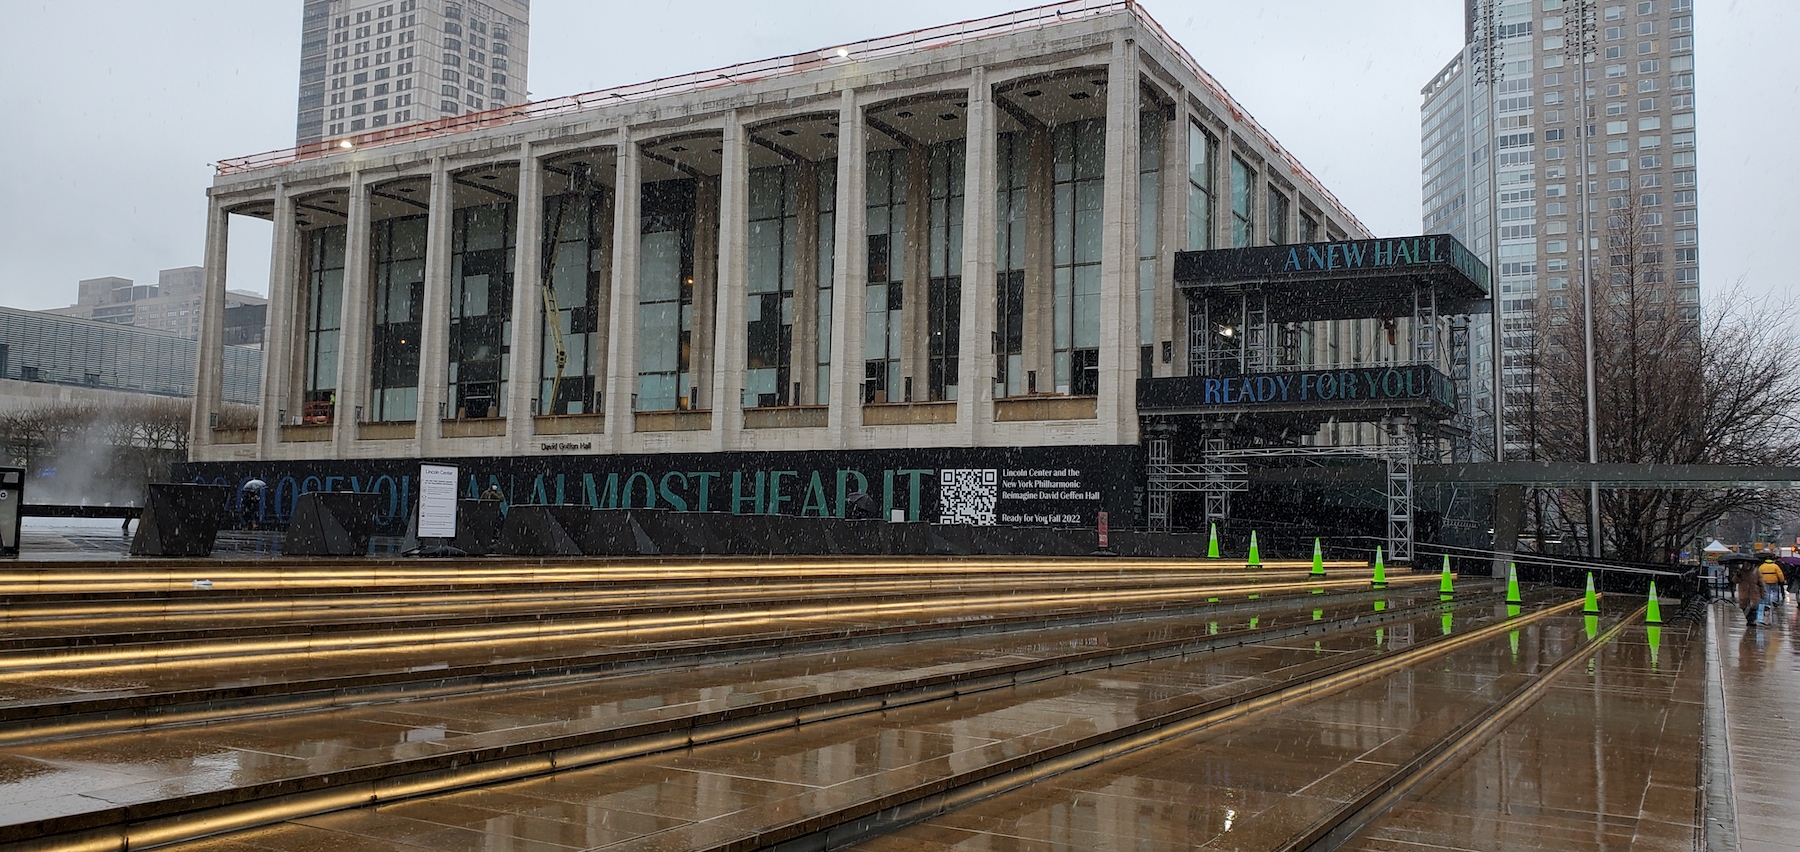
[(12, 502)]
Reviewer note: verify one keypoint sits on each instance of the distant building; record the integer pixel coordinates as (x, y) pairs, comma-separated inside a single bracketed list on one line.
[(1508, 108), (47, 359), (372, 64), (172, 304)]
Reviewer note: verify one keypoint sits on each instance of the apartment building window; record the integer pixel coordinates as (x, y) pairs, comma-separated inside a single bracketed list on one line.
[(399, 269), (943, 310), (884, 299), (1201, 151), (825, 190), (1243, 187), (1277, 227), (324, 302), (1079, 156), (1013, 154)]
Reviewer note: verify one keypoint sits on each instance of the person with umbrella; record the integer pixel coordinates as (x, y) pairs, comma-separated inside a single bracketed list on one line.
[(1790, 566), (1749, 585)]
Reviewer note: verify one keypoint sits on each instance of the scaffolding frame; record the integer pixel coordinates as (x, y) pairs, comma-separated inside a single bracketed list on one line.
[(1223, 472)]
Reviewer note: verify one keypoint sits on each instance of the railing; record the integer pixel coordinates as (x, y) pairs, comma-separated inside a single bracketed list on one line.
[(922, 39)]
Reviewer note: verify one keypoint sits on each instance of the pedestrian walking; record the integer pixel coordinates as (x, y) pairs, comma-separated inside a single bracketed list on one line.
[(1748, 582), (1774, 583), (251, 502)]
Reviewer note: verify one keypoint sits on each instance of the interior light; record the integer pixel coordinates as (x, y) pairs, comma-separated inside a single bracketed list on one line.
[(1227, 331)]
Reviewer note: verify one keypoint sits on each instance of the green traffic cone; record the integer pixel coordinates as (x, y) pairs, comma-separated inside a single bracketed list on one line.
[(1254, 560), (1446, 589), (1653, 609), (1380, 579), (1655, 636), (1590, 602), (1212, 543), (1318, 570), (1512, 584)]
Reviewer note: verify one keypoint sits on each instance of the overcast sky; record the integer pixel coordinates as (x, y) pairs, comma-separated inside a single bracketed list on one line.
[(115, 108)]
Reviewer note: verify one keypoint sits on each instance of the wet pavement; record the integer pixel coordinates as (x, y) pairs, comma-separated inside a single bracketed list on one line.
[(1759, 678), (745, 791), (63, 776), (897, 706)]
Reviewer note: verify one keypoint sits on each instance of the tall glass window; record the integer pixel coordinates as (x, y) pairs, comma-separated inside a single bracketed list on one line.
[(481, 264), (399, 267), (1243, 194), (1309, 228), (886, 212), (1278, 218), (1201, 150), (576, 236), (1150, 138), (1079, 150), (324, 304), (826, 187), (943, 320), (769, 312), (666, 296), (1013, 166)]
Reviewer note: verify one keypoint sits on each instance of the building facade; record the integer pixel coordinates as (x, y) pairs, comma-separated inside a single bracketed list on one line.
[(1556, 181), (172, 304), (372, 64), (930, 267), (40, 352)]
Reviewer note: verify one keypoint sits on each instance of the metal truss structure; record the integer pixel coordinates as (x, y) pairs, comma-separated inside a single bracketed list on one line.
[(1223, 472)]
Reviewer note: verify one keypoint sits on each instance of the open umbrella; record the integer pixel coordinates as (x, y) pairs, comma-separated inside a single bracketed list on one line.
[(1729, 558)]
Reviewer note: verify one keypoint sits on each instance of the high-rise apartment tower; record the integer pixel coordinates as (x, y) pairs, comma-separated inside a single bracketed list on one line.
[(370, 64), (1515, 144)]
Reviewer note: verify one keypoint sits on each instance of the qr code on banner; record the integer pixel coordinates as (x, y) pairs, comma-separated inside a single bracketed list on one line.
[(967, 496)]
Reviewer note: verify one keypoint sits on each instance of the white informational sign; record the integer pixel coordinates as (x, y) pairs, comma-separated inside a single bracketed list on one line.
[(437, 501)]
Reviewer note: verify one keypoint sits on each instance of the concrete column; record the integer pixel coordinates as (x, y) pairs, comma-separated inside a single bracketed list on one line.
[(730, 349), (434, 311), (528, 302), (914, 314), (975, 350), (1118, 248), (278, 331), (848, 270), (803, 354), (704, 345), (353, 340), (209, 389), (1038, 348), (621, 331), (1171, 310)]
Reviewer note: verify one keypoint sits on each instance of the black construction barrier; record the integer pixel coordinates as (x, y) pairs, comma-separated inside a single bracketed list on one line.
[(332, 523), (544, 531), (565, 530), (180, 520), (477, 526)]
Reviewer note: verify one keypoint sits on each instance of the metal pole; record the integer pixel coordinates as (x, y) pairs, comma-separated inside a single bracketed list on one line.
[(1486, 68), (1583, 42)]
